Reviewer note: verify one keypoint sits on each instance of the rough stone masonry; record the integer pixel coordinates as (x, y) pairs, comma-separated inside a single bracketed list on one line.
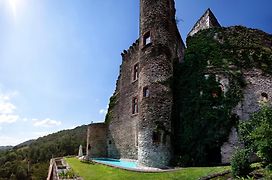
[(138, 124)]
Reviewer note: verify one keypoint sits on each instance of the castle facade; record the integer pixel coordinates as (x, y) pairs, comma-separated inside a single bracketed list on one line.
[(138, 124)]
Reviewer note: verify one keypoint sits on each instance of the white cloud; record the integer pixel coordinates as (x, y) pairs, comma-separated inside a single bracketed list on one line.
[(4, 97), (25, 120), (46, 123), (40, 134), (7, 109), (8, 118), (103, 111), (11, 141)]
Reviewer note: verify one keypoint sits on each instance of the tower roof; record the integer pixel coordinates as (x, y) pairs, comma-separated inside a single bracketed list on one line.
[(207, 20)]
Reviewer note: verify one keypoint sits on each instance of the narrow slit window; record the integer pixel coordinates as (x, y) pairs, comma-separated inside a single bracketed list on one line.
[(156, 138), (136, 138), (134, 106), (147, 39), (136, 72), (146, 92), (164, 138)]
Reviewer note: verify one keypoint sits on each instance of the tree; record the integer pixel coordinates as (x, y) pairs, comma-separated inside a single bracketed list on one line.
[(256, 133)]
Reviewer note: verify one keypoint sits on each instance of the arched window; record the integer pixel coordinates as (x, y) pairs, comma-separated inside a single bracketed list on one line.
[(135, 105)]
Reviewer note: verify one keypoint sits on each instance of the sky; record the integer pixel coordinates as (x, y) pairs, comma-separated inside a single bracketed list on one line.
[(59, 59)]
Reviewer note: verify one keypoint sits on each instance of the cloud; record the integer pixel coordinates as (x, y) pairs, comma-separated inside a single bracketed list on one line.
[(46, 123), (103, 111), (41, 134), (8, 118), (11, 141), (7, 109)]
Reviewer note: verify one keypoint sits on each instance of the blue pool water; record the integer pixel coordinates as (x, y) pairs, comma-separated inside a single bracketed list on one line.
[(116, 162)]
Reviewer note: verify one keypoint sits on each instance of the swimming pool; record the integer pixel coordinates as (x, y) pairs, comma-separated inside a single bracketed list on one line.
[(116, 162)]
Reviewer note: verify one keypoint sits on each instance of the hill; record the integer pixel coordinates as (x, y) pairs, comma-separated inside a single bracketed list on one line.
[(23, 144), (37, 153), (4, 148)]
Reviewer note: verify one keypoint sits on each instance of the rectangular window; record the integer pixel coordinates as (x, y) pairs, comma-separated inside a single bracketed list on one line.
[(156, 137), (147, 38), (135, 106), (146, 92), (136, 72)]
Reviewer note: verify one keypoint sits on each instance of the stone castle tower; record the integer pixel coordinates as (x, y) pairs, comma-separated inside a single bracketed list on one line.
[(160, 47), (138, 124)]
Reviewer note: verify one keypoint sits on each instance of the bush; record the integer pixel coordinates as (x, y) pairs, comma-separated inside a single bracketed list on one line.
[(256, 133), (240, 164)]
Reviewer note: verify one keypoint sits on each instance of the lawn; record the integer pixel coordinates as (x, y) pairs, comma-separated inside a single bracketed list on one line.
[(101, 172)]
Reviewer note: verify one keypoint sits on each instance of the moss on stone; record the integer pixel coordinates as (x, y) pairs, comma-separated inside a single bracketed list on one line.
[(112, 103)]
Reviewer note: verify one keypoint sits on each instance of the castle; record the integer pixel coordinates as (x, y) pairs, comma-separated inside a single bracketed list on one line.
[(139, 121)]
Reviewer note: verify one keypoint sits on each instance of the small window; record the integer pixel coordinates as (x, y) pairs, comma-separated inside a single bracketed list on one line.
[(164, 138), (109, 141), (147, 38), (146, 92), (156, 137), (264, 96), (214, 94), (217, 92), (135, 106), (136, 138), (136, 72)]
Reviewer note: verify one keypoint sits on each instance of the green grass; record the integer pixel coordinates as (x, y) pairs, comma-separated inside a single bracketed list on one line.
[(101, 172)]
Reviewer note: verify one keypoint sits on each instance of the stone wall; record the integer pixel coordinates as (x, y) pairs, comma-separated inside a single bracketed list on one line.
[(123, 132), (96, 140), (128, 131), (257, 83), (208, 20)]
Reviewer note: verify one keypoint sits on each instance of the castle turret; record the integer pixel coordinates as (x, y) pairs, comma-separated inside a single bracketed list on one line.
[(207, 20), (160, 47)]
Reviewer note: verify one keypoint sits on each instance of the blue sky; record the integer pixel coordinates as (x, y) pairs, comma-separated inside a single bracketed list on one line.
[(59, 59)]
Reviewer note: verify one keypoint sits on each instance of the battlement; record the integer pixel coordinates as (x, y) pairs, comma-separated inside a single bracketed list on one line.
[(131, 50)]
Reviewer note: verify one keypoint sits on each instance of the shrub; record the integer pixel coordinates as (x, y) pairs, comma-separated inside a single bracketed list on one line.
[(257, 133), (240, 164)]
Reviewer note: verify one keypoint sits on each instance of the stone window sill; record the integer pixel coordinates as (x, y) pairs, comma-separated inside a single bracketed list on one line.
[(136, 114), (146, 46)]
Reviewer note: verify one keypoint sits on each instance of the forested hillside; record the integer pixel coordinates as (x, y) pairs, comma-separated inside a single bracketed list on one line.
[(4, 148), (31, 161)]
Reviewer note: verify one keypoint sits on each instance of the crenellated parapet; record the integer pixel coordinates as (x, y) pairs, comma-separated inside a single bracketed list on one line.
[(126, 54)]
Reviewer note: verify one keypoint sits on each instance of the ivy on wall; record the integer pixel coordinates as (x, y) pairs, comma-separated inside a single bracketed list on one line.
[(112, 103), (202, 117)]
